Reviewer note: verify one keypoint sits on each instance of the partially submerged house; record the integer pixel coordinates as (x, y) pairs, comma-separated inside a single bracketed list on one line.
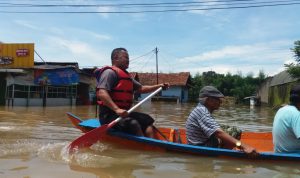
[(28, 83), (15, 59), (179, 85), (43, 85), (275, 90)]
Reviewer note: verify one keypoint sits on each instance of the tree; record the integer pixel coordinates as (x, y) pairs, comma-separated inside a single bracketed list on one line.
[(261, 76), (208, 77), (296, 50), (196, 86), (230, 85), (294, 69)]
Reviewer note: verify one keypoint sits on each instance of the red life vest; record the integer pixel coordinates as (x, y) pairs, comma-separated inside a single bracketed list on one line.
[(122, 93)]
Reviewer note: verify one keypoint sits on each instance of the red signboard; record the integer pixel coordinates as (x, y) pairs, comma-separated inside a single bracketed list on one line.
[(22, 52)]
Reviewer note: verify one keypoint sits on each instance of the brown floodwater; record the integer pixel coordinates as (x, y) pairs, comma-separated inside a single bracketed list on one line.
[(33, 143)]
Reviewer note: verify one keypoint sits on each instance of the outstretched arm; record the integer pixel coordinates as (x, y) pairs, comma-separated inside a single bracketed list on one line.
[(230, 142), (150, 88)]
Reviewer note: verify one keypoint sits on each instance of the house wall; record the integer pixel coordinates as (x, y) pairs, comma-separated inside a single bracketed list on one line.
[(39, 102), (24, 102), (185, 95), (61, 101), (175, 91), (86, 90), (280, 94), (263, 91), (22, 91), (83, 95), (275, 90), (2, 88)]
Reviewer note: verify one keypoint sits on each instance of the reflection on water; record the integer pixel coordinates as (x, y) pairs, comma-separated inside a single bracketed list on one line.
[(33, 143)]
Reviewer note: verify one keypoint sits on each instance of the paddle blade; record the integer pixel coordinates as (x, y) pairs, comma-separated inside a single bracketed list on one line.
[(88, 139)]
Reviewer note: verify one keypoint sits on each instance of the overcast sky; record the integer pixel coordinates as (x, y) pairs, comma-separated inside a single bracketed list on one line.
[(228, 36)]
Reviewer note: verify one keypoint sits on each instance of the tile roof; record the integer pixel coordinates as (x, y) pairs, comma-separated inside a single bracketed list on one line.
[(178, 79)]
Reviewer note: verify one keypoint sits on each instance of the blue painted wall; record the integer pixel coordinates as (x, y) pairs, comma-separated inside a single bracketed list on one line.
[(177, 91)]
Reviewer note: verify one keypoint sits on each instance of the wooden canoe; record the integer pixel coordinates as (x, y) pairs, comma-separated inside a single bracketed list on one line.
[(170, 139)]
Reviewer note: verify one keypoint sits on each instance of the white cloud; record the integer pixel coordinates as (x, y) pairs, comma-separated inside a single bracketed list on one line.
[(206, 5), (79, 33), (83, 53), (104, 11), (97, 35), (269, 57), (27, 24), (101, 37), (56, 30), (259, 51)]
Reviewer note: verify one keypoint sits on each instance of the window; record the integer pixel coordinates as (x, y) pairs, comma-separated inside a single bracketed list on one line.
[(24, 91)]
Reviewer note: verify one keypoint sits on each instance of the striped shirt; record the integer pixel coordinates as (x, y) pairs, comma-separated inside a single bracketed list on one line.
[(200, 125)]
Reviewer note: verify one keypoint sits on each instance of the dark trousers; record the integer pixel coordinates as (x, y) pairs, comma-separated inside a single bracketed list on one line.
[(131, 124)]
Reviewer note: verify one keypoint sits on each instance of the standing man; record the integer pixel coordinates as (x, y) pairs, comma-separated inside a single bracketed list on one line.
[(286, 125), (203, 130), (115, 90)]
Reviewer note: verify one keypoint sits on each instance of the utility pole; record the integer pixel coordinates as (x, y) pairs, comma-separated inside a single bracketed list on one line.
[(156, 51)]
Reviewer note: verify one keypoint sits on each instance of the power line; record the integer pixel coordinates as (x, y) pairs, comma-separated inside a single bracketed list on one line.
[(145, 63), (142, 55), (155, 5), (123, 4), (275, 3), (146, 4)]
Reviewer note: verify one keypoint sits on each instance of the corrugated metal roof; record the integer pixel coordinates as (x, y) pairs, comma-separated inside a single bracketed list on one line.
[(75, 64), (53, 67), (12, 70), (49, 67), (282, 78)]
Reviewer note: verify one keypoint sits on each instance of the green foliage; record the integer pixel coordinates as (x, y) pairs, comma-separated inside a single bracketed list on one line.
[(296, 50), (261, 76), (294, 69), (197, 84), (230, 85)]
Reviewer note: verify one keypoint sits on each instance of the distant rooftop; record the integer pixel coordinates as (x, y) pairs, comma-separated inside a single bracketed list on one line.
[(175, 79), (282, 78), (74, 64)]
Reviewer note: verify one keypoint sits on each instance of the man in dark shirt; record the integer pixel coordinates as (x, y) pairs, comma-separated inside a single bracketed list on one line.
[(115, 90)]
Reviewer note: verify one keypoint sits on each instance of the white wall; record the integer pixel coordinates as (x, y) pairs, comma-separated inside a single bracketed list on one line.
[(39, 102)]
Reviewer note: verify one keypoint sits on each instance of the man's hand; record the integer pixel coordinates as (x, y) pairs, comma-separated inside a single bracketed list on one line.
[(249, 150), (165, 86), (122, 113)]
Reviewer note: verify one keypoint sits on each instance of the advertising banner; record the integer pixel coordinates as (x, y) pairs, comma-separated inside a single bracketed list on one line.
[(61, 76)]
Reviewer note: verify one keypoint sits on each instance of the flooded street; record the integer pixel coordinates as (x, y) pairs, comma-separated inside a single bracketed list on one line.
[(33, 144)]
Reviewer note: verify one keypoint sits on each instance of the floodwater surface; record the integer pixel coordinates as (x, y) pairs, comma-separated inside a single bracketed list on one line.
[(33, 143)]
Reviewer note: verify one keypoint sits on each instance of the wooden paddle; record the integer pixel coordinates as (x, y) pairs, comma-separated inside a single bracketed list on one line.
[(92, 136)]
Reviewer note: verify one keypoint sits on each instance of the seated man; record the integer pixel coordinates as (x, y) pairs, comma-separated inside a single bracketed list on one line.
[(286, 125), (203, 130), (115, 91)]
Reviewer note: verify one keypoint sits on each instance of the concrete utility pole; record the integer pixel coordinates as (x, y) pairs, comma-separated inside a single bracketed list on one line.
[(156, 51)]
